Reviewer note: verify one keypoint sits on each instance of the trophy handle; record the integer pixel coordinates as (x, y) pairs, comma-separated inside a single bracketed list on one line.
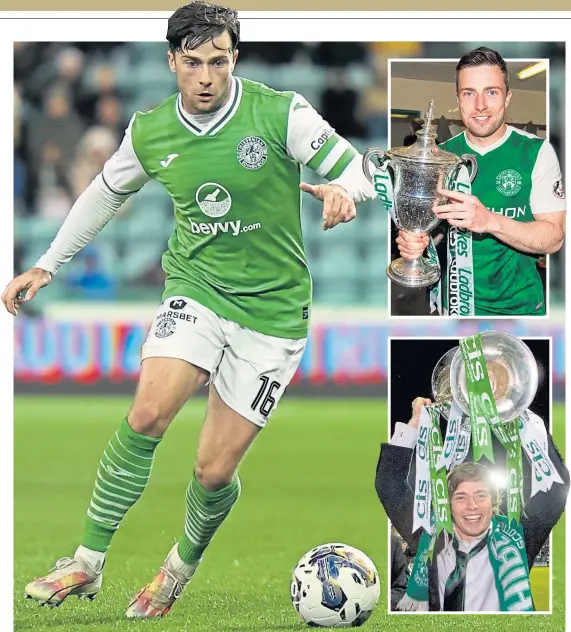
[(367, 157), (470, 159)]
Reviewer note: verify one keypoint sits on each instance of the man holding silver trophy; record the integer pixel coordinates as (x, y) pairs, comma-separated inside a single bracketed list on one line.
[(475, 539), (502, 213)]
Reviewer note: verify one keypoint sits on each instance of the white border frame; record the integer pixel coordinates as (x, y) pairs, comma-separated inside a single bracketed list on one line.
[(549, 376), (336, 26), (392, 60)]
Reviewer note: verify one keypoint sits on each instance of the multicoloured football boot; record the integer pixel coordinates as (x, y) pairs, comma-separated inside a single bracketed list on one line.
[(68, 577), (157, 598)]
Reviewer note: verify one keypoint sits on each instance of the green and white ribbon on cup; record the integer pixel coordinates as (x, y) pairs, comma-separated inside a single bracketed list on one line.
[(457, 421), (485, 420), (423, 489), (534, 442), (464, 442), (432, 511), (438, 483), (383, 184), (459, 265), (435, 457)]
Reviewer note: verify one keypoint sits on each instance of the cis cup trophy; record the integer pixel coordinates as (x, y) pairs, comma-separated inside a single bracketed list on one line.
[(512, 371), (407, 180)]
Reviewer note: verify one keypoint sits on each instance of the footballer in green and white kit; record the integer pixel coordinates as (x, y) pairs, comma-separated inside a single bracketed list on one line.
[(519, 178), (236, 305), (515, 212), (237, 296)]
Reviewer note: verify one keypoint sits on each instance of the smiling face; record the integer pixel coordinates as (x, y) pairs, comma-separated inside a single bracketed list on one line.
[(472, 508), (204, 74), (483, 99)]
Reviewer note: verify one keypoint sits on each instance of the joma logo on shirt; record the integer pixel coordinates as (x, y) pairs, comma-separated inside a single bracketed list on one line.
[(511, 211), (213, 228)]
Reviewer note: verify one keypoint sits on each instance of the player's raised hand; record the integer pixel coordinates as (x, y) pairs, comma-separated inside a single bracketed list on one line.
[(465, 211), (417, 405), (28, 284), (338, 206), (411, 245)]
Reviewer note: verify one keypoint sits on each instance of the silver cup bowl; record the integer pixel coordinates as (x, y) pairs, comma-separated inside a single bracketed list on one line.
[(512, 370)]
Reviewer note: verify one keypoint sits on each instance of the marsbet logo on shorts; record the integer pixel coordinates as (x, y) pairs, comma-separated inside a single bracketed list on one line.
[(178, 304)]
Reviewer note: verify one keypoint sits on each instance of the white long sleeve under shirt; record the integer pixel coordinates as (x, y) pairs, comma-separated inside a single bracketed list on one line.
[(123, 175)]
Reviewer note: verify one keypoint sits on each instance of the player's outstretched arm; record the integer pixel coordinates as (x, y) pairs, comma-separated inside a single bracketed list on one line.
[(545, 235), (312, 142), (23, 288), (391, 476), (121, 177), (338, 205), (87, 217)]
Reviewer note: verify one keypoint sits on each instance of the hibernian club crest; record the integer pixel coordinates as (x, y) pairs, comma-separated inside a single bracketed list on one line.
[(508, 182), (252, 152)]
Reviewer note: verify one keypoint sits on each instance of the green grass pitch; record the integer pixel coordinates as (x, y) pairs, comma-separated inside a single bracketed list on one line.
[(540, 587), (307, 480)]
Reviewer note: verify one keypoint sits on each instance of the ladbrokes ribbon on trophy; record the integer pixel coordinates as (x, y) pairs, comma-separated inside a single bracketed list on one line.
[(436, 290), (384, 187), (460, 265)]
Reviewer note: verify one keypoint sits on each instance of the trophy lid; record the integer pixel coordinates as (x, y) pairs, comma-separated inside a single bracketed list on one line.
[(425, 150)]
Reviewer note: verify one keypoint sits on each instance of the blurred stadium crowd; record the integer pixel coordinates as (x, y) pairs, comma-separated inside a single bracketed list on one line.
[(74, 100)]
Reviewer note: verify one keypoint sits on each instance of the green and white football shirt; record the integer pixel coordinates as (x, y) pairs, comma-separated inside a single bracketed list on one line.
[(237, 247), (519, 177)]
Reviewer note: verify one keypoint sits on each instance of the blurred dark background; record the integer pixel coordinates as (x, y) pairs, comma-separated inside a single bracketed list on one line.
[(412, 363)]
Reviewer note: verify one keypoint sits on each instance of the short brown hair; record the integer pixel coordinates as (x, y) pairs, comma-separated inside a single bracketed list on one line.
[(473, 472), (194, 24), (483, 56)]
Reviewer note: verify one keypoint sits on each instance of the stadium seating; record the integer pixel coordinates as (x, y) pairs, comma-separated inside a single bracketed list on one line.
[(346, 263)]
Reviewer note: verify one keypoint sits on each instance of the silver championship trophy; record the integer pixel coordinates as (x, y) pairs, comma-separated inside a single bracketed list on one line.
[(407, 181), (512, 371), (441, 390)]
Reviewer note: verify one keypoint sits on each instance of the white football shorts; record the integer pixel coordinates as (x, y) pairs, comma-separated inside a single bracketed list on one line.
[(249, 370)]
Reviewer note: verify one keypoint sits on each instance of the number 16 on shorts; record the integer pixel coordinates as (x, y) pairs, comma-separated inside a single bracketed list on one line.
[(264, 402)]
